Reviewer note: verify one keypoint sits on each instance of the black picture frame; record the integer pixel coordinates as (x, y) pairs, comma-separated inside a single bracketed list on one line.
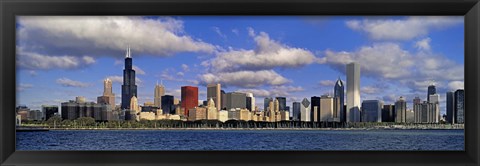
[(11, 8)]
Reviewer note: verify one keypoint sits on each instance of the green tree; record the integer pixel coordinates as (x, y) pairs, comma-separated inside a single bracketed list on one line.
[(86, 121), (54, 121)]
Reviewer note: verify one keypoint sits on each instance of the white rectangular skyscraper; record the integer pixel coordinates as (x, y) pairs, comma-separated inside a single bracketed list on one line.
[(353, 92)]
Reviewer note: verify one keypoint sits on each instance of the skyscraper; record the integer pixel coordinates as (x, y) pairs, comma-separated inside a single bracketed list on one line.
[(326, 112), (250, 98), (305, 110), (265, 103), (314, 102), (129, 89), (168, 106), (189, 98), (296, 111), (159, 92), (49, 111), (214, 92), (108, 96), (372, 111), (431, 90), (450, 107), (282, 101), (339, 92), (401, 110), (223, 99), (459, 104), (353, 92), (388, 113), (417, 100), (236, 100)]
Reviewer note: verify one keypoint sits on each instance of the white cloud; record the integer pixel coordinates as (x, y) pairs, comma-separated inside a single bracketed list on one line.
[(181, 74), (119, 79), (33, 61), (275, 91), (402, 29), (71, 83), (387, 60), (78, 36), (327, 83), (268, 54), (185, 68), (423, 44), (455, 85), (245, 78), (138, 70)]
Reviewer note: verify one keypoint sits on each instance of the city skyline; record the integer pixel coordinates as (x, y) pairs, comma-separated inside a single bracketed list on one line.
[(246, 67)]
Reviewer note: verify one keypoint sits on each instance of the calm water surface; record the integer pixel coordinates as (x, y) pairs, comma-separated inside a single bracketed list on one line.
[(242, 140)]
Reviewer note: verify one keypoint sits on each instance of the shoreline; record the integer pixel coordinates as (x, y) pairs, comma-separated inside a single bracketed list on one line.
[(226, 129)]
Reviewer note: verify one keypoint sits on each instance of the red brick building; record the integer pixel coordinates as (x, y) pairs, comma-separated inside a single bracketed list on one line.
[(189, 98)]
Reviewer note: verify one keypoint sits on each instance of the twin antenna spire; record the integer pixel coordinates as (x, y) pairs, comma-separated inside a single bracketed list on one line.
[(128, 54)]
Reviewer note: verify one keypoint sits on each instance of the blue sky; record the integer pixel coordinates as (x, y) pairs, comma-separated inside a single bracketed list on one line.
[(60, 57)]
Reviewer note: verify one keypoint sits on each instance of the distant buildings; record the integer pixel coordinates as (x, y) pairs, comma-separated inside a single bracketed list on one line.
[(353, 92), (372, 111), (72, 110), (212, 110), (189, 98), (129, 88)]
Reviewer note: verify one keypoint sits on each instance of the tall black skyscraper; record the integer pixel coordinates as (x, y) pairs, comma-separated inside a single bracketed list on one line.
[(450, 108), (315, 101), (129, 89), (282, 102), (339, 92), (431, 91), (459, 105)]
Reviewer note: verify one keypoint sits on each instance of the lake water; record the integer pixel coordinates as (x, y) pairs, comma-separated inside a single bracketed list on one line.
[(242, 140)]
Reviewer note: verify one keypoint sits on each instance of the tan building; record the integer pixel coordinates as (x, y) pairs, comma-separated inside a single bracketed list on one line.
[(284, 116), (134, 105), (211, 110), (326, 108), (197, 113), (108, 96), (315, 114), (214, 92), (244, 114), (222, 116), (147, 116), (158, 93)]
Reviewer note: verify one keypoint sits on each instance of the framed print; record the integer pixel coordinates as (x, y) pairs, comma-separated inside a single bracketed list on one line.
[(213, 82)]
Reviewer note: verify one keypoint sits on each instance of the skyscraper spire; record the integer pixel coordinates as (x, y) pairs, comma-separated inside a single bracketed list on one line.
[(128, 53)]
